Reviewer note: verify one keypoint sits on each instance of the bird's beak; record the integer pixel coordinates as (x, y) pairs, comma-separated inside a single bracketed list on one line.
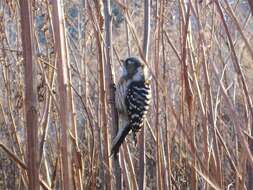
[(124, 72)]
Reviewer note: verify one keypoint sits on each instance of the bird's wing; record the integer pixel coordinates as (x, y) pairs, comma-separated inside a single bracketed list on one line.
[(137, 103)]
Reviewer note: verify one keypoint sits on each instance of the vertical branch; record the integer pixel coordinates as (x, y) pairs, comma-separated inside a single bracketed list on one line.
[(64, 94), (166, 147), (98, 27), (188, 92), (166, 167), (31, 109), (251, 6), (130, 166), (84, 78), (128, 42), (110, 83), (142, 159), (146, 28), (157, 94)]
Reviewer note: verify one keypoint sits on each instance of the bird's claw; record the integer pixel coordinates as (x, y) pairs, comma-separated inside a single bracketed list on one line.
[(113, 86)]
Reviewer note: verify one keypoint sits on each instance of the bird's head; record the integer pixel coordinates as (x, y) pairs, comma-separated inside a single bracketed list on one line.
[(134, 68)]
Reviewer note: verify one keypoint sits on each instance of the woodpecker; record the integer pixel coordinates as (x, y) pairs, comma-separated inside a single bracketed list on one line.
[(132, 99)]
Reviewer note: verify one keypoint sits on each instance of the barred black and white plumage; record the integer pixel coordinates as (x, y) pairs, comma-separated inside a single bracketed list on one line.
[(132, 97)]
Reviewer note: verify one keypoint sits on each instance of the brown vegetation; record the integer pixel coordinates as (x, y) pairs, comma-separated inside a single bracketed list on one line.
[(59, 61)]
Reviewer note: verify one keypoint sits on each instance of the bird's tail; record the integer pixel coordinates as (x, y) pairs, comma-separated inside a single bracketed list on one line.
[(119, 139)]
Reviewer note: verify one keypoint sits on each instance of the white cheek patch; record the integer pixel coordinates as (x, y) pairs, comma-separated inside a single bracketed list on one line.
[(138, 75)]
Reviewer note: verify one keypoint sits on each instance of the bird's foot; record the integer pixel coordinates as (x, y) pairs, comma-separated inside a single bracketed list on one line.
[(113, 86)]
